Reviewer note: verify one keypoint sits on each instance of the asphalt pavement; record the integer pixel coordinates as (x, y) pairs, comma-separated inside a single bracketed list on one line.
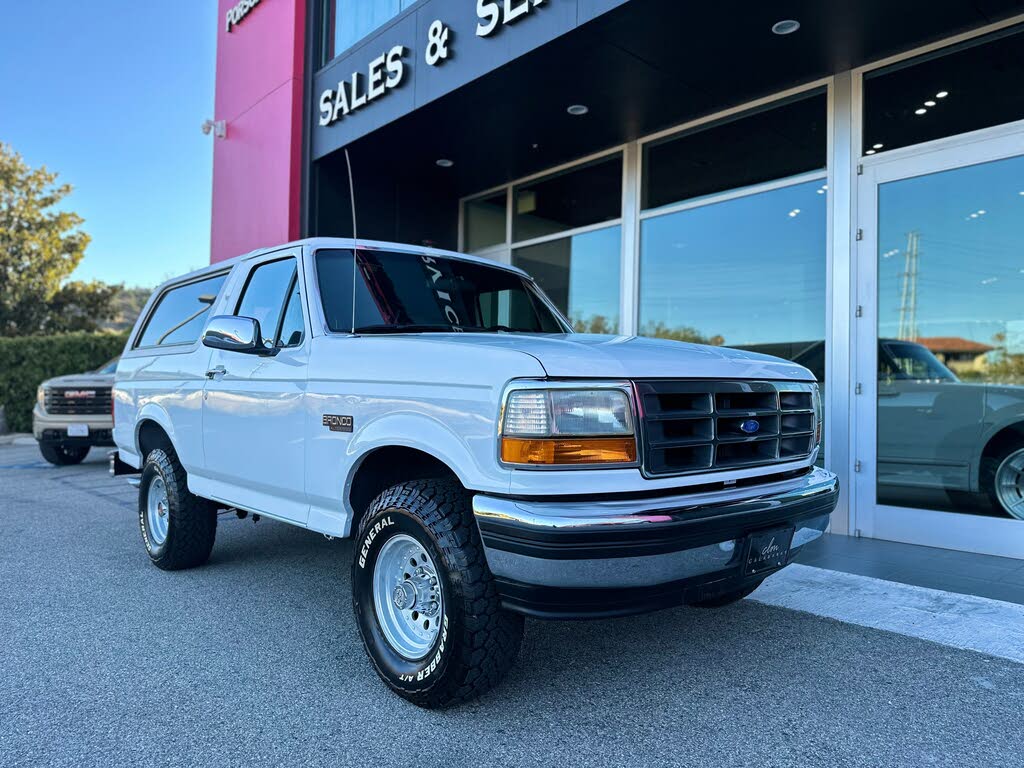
[(254, 659)]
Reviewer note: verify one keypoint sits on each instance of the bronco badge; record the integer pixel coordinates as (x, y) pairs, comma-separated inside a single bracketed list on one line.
[(338, 423)]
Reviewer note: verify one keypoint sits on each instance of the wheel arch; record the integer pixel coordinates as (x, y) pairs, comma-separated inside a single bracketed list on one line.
[(384, 466), (150, 434), (1009, 435)]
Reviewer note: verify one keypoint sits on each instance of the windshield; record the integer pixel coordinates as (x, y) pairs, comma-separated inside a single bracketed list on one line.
[(908, 361), (417, 293)]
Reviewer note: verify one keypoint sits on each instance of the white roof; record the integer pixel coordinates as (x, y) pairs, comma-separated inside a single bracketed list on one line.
[(315, 243)]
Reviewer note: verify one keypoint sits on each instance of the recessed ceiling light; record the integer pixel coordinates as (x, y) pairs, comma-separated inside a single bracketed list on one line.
[(444, 162), (785, 27), (974, 215), (982, 212), (929, 103), (920, 111), (941, 94), (870, 152), (578, 109), (821, 191), (877, 146)]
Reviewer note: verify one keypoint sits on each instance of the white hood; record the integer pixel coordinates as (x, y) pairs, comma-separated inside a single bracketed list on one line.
[(580, 355)]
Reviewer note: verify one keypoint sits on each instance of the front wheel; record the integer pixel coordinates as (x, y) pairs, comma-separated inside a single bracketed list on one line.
[(63, 455), (1003, 478), (425, 601)]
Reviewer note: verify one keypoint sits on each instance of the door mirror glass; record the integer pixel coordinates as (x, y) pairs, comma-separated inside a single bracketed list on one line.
[(234, 334)]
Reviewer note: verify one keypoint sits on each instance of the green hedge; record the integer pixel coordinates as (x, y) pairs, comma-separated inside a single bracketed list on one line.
[(26, 361)]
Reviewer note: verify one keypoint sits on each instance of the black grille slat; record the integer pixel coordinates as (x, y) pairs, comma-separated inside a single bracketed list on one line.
[(690, 426), (63, 401)]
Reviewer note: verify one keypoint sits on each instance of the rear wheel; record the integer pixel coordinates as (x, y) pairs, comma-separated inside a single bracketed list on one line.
[(1002, 477), (63, 455), (178, 527), (425, 601)]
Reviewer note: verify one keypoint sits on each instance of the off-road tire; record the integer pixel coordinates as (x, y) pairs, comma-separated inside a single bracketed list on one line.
[(63, 455), (192, 521), (479, 640), (728, 598)]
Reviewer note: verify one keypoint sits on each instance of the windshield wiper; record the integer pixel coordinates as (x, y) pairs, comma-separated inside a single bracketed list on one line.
[(434, 327), (403, 328)]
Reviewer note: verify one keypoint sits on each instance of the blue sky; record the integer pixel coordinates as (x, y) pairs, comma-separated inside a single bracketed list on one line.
[(970, 273), (751, 270), (111, 95)]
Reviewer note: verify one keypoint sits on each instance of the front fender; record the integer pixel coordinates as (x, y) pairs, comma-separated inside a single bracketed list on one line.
[(470, 456)]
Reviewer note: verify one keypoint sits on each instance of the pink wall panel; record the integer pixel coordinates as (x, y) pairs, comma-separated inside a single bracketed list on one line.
[(257, 171)]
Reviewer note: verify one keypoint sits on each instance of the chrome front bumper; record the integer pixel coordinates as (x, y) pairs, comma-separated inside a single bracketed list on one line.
[(558, 551)]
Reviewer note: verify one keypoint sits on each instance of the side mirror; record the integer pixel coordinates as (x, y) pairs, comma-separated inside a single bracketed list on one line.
[(234, 334)]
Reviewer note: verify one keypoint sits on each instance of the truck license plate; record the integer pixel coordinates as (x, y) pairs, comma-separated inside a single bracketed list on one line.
[(78, 430), (768, 550)]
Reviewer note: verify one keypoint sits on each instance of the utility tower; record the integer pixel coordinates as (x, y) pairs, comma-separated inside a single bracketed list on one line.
[(908, 291)]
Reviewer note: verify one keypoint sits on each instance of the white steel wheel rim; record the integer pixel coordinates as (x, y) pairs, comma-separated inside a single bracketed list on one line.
[(407, 597), (1010, 484), (157, 511)]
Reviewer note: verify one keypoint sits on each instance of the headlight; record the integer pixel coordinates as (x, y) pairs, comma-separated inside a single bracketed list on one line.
[(41, 396), (567, 426)]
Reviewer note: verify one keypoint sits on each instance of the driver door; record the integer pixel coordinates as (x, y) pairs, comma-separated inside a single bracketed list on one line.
[(254, 422)]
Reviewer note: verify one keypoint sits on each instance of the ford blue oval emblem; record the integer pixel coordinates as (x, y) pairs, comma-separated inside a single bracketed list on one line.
[(750, 426)]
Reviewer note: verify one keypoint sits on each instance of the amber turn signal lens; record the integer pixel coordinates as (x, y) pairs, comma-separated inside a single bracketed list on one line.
[(593, 450)]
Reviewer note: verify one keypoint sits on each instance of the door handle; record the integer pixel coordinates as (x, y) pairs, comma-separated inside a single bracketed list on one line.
[(220, 370)]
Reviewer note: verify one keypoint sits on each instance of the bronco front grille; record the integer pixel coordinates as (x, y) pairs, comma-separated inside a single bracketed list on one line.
[(77, 401), (700, 426)]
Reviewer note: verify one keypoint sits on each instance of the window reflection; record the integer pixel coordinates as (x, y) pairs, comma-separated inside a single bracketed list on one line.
[(775, 142), (484, 220), (580, 274), (578, 197), (352, 20), (748, 272), (951, 340), (972, 86)]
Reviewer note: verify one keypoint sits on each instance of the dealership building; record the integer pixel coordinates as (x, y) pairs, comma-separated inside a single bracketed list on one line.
[(838, 183)]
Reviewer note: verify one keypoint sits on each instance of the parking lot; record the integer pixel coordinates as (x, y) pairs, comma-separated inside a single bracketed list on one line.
[(254, 659)]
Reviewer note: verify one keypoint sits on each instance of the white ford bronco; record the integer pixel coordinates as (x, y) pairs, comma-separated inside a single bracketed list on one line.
[(488, 462)]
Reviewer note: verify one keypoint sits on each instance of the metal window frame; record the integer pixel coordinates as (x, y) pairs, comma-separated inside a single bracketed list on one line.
[(859, 278)]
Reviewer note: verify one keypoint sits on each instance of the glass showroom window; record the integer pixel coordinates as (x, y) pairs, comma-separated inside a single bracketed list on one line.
[(976, 85), (566, 234), (747, 272), (733, 238), (484, 222), (580, 274), (349, 21), (578, 197)]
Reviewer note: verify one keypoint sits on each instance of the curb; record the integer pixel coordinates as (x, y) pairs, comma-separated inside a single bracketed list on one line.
[(17, 438)]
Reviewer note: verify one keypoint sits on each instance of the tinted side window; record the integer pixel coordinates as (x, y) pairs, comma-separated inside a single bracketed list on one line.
[(264, 296), (293, 329), (181, 313)]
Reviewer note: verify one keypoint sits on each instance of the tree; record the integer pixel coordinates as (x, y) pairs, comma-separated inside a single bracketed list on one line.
[(40, 246), (682, 333), (127, 306)]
